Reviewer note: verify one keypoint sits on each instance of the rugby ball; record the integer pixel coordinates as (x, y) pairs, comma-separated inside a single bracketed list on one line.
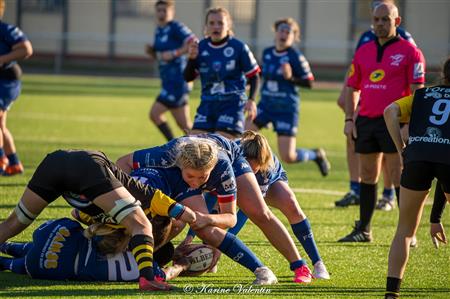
[(202, 258)]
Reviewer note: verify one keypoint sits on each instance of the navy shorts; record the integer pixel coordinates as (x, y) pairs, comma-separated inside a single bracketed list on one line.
[(172, 100), (9, 91), (226, 116), (282, 114)]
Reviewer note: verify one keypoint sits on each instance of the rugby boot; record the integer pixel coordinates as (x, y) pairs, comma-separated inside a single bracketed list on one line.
[(350, 198), (3, 164), (303, 274), (153, 285), (357, 235), (320, 271), (13, 169), (264, 276), (322, 161)]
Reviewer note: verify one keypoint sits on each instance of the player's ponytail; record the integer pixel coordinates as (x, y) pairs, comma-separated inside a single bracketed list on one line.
[(256, 148), (112, 241)]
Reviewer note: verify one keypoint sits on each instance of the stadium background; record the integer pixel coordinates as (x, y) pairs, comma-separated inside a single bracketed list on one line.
[(110, 35)]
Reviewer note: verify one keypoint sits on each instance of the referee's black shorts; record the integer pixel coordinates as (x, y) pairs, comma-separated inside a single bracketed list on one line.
[(84, 173), (373, 136), (418, 175)]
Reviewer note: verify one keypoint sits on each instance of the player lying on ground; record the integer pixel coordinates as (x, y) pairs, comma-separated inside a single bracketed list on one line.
[(97, 253), (90, 182)]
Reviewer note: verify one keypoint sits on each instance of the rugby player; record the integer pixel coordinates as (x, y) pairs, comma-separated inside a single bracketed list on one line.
[(225, 65), (425, 157), (91, 183), (97, 253), (237, 178), (169, 48), (14, 45), (273, 183), (285, 68)]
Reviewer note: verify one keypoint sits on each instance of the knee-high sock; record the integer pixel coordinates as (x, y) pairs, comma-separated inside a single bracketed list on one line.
[(368, 201), (303, 232), (304, 155), (141, 246), (232, 247), (165, 130)]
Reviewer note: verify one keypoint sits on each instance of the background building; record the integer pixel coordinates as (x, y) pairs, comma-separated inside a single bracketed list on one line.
[(64, 31)]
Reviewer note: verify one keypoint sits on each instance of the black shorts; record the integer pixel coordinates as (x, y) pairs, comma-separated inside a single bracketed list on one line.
[(418, 175), (79, 172), (373, 136)]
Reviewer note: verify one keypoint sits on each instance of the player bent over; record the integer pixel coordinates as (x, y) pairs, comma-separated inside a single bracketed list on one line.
[(93, 184)]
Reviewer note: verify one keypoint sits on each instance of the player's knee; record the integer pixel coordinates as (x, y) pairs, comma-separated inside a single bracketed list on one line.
[(260, 217), (209, 234), (292, 211), (288, 157)]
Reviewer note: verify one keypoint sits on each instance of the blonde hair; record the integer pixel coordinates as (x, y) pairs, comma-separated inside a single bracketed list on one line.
[(292, 23), (256, 147), (114, 240), (196, 153), (220, 10)]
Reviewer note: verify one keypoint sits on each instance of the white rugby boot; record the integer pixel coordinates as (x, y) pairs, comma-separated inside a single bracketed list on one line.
[(264, 276)]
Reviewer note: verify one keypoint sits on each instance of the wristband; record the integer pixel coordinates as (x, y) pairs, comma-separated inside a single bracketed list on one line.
[(176, 210), (349, 119)]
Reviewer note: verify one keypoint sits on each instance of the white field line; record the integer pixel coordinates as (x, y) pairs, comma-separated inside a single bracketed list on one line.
[(318, 191)]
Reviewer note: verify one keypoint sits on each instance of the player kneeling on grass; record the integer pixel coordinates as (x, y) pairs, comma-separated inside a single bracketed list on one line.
[(92, 254), (90, 182), (425, 157), (272, 180)]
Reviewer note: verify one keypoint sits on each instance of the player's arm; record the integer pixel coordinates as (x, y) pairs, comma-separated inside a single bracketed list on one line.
[(19, 51), (163, 205), (190, 71), (351, 101), (398, 111), (126, 163), (299, 73), (225, 219)]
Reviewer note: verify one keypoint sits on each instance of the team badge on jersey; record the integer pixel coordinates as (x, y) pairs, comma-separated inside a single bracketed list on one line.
[(418, 70), (377, 75), (396, 59), (228, 52)]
